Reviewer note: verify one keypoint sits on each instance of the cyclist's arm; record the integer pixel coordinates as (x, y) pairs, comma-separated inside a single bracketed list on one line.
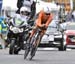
[(39, 19), (49, 20)]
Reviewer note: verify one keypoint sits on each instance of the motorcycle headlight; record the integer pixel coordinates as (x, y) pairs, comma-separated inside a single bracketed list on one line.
[(21, 30), (15, 30)]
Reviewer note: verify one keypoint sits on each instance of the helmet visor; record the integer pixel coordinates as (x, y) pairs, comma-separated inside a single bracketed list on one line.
[(25, 13)]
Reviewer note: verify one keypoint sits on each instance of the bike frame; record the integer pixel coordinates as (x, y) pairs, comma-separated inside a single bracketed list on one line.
[(36, 37)]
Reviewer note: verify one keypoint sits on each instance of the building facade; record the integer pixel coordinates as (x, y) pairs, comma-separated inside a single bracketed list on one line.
[(67, 3)]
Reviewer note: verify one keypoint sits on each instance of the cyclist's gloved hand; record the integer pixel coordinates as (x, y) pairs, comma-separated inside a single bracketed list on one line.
[(43, 26)]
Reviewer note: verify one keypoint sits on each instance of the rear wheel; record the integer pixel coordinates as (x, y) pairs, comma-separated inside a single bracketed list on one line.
[(26, 53), (15, 52), (27, 49)]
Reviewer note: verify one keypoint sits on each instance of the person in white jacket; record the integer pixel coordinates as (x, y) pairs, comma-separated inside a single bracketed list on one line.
[(23, 16), (31, 4)]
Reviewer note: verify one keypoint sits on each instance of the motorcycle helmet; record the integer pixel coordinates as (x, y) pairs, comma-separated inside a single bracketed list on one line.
[(25, 11)]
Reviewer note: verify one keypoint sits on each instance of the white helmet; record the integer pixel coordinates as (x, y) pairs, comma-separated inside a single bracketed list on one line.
[(24, 9), (46, 9)]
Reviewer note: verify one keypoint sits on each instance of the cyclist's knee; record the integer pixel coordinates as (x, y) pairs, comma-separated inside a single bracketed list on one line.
[(42, 33), (32, 33)]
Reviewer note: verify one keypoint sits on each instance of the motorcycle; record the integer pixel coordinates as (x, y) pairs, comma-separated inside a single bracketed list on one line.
[(17, 36)]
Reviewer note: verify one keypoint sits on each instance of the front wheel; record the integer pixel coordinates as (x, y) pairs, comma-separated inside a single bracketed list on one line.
[(16, 50), (34, 46), (11, 49), (33, 51)]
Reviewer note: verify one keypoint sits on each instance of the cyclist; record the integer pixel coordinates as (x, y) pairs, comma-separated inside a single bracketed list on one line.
[(44, 19)]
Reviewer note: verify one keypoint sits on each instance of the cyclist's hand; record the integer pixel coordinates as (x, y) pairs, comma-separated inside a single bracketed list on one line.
[(43, 25)]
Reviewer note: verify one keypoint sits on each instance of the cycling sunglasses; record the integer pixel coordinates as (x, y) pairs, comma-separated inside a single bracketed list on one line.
[(47, 13)]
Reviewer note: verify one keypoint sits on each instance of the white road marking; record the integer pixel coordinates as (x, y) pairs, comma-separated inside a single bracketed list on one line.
[(68, 49)]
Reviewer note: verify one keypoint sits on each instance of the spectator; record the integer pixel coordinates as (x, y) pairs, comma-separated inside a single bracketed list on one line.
[(69, 16), (3, 30)]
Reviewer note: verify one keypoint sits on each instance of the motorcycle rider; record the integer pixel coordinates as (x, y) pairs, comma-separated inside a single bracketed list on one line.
[(27, 3), (23, 16)]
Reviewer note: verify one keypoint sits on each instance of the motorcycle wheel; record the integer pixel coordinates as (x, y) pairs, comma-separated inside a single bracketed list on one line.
[(15, 50), (11, 48)]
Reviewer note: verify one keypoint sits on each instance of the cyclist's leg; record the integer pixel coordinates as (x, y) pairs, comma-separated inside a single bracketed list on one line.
[(34, 29), (33, 32), (37, 41), (29, 43), (41, 35)]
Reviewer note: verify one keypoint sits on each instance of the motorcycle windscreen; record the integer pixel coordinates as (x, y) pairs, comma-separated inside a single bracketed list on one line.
[(18, 22)]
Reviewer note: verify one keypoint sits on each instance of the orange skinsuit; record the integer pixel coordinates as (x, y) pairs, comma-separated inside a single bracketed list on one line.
[(42, 19)]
